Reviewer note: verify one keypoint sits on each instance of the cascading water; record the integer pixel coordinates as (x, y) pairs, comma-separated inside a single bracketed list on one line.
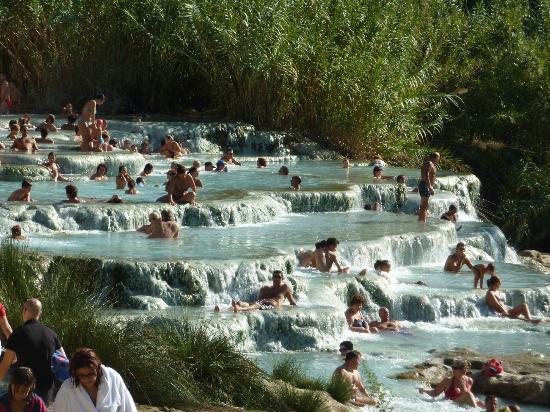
[(248, 223)]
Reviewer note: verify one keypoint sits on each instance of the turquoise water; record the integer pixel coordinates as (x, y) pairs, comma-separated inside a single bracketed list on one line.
[(248, 222)]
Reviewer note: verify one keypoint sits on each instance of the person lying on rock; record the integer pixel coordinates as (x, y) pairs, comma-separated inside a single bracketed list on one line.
[(355, 318), (385, 322), (495, 301), (271, 297), (349, 373), (457, 388)]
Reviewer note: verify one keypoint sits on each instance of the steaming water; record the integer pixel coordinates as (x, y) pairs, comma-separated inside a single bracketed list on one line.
[(248, 223)]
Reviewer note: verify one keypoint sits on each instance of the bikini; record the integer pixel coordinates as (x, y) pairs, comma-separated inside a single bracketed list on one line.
[(453, 392)]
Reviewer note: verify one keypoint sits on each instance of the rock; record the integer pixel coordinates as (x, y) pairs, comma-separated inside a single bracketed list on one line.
[(534, 254), (525, 379)]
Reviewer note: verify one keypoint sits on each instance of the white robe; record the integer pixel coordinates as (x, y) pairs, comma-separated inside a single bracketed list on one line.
[(112, 396)]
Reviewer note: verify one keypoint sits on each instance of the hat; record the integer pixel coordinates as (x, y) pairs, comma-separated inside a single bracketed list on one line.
[(220, 163)]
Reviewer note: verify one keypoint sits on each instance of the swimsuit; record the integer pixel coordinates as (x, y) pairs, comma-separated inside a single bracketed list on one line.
[(423, 189), (453, 392), (360, 323)]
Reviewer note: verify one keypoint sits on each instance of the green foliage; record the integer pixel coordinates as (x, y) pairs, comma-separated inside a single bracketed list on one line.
[(292, 372), (163, 363), (295, 400), (377, 391), (339, 389)]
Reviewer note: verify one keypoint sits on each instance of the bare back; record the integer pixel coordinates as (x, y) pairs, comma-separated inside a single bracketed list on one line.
[(88, 111), (427, 172)]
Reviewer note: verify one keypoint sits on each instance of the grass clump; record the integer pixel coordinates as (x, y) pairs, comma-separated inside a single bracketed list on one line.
[(162, 362), (292, 372)]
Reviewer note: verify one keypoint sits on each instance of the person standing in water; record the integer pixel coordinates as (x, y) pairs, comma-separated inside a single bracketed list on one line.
[(86, 123), (349, 373), (426, 184)]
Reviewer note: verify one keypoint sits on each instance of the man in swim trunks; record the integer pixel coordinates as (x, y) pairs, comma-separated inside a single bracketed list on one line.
[(426, 184), (271, 297), (23, 194), (349, 373), (455, 261), (385, 322), (87, 123), (162, 230), (178, 187)]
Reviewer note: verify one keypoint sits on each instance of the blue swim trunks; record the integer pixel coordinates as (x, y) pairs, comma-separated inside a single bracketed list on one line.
[(423, 189)]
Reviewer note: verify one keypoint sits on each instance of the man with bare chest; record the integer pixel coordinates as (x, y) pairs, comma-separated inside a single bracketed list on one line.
[(25, 143), (162, 230), (455, 261), (271, 297), (426, 184), (178, 187), (87, 123), (349, 373)]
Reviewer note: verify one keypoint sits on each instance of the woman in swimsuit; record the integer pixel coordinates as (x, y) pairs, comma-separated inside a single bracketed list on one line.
[(481, 270), (496, 303), (457, 388), (354, 316), (101, 173)]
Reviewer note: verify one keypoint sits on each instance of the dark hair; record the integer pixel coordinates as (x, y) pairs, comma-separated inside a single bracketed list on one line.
[(321, 244), (51, 154), (357, 298), (22, 377), (401, 179), (298, 178), (434, 155), (131, 183), (493, 280), (140, 180), (279, 272), (491, 267), (379, 263), (85, 358), (50, 117), (148, 167), (12, 122), (347, 345), (352, 354), (283, 170), (44, 132), (453, 208), (192, 170), (71, 119), (167, 215), (71, 190), (180, 169), (16, 230), (113, 142), (208, 164), (100, 96), (332, 241), (460, 244), (14, 126), (99, 165), (229, 149), (26, 183), (120, 168), (262, 161), (376, 169)]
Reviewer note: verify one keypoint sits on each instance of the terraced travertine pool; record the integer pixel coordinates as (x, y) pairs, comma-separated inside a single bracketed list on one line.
[(248, 222)]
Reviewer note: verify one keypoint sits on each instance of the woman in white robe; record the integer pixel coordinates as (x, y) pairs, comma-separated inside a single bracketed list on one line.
[(92, 387)]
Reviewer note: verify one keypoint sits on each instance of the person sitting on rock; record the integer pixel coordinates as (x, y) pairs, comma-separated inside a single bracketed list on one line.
[(270, 297), (495, 301), (349, 373), (457, 388), (354, 316), (178, 187), (385, 323), (451, 214), (23, 194), (16, 234), (72, 194)]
